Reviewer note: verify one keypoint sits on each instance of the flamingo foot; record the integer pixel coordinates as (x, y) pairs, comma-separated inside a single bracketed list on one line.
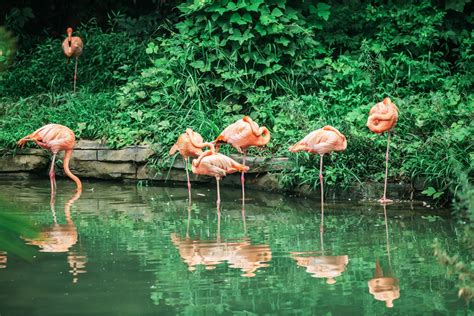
[(385, 201)]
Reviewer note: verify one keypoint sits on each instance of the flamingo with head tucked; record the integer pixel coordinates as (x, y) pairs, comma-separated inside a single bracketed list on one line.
[(322, 141), (216, 165), (241, 135), (189, 144), (382, 118), (72, 47), (55, 138)]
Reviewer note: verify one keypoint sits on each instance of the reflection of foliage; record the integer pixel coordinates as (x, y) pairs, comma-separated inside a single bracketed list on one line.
[(7, 48), (123, 228), (12, 226), (461, 264), (285, 227), (456, 265)]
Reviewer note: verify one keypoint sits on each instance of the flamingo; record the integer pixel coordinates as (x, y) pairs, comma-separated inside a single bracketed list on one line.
[(241, 135), (382, 118), (55, 138), (72, 47), (189, 144), (216, 165), (322, 141)]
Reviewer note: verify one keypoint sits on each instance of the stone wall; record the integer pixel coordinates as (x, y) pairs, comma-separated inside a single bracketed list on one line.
[(91, 159)]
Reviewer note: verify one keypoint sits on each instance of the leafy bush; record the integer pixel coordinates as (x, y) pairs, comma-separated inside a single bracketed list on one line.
[(108, 60), (86, 113), (7, 48)]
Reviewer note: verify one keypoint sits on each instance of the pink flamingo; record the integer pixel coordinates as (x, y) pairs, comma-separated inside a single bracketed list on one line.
[(55, 138), (382, 118), (241, 135), (72, 47), (189, 144), (321, 141), (216, 165)]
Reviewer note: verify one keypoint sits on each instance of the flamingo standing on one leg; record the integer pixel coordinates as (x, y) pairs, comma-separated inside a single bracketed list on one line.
[(241, 135), (55, 137), (216, 165), (321, 141), (72, 47), (382, 118), (189, 144)]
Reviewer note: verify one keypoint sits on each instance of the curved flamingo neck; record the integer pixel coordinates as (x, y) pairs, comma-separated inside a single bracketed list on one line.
[(253, 126), (68, 172), (265, 133), (197, 161), (190, 133)]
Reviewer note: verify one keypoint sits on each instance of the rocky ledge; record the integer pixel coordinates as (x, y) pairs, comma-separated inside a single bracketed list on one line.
[(92, 159)]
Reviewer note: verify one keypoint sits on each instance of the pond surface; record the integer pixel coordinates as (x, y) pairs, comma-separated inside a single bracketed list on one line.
[(129, 250)]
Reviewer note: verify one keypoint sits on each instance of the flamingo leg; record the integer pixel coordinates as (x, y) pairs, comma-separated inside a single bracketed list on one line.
[(186, 164), (384, 199), (52, 177), (321, 228), (189, 220), (243, 216), (242, 177), (75, 75), (218, 195), (52, 201), (218, 226)]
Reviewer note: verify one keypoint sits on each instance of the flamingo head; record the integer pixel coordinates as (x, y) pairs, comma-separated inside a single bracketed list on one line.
[(69, 34), (387, 101), (265, 136)]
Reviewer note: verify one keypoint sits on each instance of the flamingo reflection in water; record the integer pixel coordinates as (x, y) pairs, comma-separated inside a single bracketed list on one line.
[(61, 237), (324, 266), (239, 254), (3, 259), (383, 286)]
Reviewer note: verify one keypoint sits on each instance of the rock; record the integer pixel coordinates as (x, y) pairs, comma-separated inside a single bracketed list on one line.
[(34, 151), (84, 154), (136, 154), (23, 163), (127, 154), (257, 164), (104, 170), (268, 182), (89, 144), (143, 153), (174, 175)]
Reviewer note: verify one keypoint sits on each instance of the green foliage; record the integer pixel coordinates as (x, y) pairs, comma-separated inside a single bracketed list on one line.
[(86, 113), (7, 48), (108, 60)]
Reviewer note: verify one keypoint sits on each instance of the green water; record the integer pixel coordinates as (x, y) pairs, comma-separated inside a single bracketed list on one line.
[(127, 250)]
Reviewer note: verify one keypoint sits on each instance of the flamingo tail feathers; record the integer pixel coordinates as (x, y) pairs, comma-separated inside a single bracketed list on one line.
[(173, 149), (28, 138)]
